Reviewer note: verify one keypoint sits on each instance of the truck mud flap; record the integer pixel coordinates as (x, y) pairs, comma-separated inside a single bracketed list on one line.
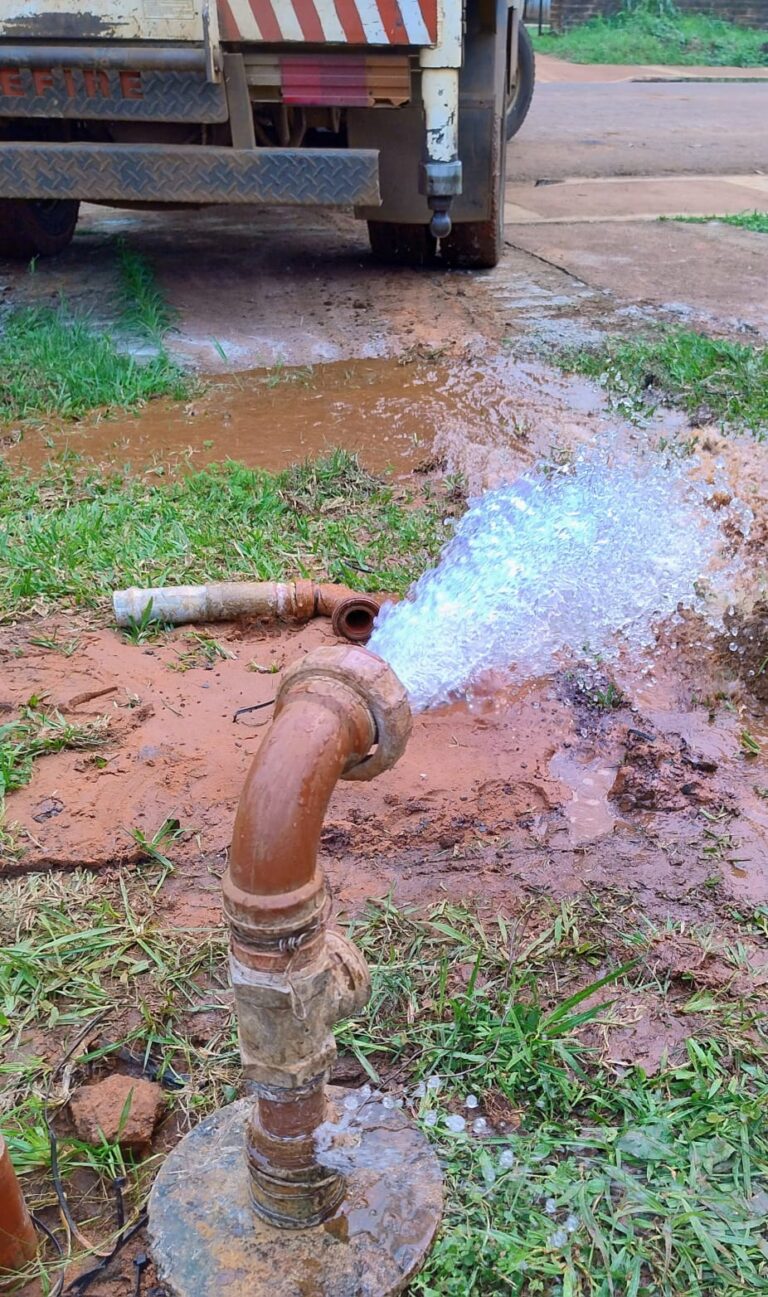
[(156, 173)]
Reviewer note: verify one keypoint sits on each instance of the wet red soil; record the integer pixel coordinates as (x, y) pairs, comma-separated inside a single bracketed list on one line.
[(537, 788)]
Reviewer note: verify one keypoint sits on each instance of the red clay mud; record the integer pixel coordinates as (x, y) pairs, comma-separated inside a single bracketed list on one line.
[(475, 805), (123, 1109)]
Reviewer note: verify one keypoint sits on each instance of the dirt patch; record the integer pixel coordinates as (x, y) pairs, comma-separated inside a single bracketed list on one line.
[(121, 1109), (481, 794), (686, 961), (661, 776)]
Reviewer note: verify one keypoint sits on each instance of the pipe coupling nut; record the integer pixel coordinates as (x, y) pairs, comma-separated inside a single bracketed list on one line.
[(286, 1018), (373, 682)]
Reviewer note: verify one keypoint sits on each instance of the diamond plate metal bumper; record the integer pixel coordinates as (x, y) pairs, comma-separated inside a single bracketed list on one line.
[(157, 173), (112, 94)]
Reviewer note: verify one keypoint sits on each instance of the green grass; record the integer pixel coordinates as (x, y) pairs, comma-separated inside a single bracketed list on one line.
[(755, 221), (76, 535), (54, 362), (605, 1182), (711, 379), (36, 733), (655, 31), (145, 310), (613, 1183)]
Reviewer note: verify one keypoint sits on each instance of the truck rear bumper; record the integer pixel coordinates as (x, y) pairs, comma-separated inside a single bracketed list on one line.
[(157, 173)]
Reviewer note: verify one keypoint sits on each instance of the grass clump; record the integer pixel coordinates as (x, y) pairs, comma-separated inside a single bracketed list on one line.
[(36, 733), (145, 310), (713, 380), (605, 1181), (755, 221), (55, 363), (75, 536), (656, 31)]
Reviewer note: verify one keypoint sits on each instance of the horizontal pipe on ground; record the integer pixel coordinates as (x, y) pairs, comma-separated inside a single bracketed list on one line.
[(353, 612)]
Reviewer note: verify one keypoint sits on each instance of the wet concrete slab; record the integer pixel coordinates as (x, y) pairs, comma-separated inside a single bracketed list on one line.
[(631, 198), (712, 273)]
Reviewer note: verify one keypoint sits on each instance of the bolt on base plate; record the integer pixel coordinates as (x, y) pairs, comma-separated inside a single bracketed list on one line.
[(207, 1240)]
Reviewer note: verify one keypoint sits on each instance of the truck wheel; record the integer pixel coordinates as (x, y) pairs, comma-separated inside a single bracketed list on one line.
[(36, 228), (402, 245), (522, 93)]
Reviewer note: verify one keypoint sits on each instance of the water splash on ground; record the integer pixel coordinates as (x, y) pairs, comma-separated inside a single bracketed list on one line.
[(588, 557)]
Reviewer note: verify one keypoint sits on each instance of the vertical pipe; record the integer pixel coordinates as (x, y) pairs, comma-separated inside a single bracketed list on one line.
[(340, 714), (18, 1240)]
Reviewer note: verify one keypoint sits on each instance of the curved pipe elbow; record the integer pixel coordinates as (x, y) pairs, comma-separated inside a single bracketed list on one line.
[(340, 713), (283, 804)]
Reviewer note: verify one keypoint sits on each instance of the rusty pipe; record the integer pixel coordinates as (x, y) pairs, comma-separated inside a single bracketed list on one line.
[(18, 1241), (351, 612), (340, 713)]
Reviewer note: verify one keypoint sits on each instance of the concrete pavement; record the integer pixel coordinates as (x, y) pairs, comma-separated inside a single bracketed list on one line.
[(634, 128)]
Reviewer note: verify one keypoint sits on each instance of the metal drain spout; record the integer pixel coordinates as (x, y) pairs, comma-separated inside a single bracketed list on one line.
[(341, 713)]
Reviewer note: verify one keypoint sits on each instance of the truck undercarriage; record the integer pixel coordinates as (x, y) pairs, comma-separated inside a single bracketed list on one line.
[(304, 102)]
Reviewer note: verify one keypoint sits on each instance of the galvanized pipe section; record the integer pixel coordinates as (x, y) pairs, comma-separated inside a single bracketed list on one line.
[(18, 1241), (340, 713), (352, 613)]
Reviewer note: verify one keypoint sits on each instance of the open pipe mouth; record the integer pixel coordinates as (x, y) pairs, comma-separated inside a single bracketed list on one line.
[(352, 619)]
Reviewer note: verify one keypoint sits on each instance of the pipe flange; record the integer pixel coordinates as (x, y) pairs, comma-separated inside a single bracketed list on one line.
[(375, 684), (352, 619)]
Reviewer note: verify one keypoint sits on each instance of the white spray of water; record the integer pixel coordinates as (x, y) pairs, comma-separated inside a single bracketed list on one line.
[(554, 563)]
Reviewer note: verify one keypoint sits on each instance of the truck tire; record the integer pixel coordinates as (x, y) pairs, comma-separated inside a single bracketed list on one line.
[(402, 245), (520, 100), (36, 228)]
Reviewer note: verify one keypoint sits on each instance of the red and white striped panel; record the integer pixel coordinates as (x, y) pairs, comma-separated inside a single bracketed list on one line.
[(337, 22)]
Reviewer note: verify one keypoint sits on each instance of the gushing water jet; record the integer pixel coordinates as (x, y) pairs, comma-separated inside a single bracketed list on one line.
[(258, 1198)]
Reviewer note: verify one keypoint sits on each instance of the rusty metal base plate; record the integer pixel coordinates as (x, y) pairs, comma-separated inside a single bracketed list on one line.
[(207, 1241)]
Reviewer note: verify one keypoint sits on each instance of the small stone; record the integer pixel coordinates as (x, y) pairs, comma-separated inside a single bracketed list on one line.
[(121, 1109)]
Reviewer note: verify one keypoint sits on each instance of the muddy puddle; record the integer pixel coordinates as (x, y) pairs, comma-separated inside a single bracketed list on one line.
[(482, 416), (589, 812)]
